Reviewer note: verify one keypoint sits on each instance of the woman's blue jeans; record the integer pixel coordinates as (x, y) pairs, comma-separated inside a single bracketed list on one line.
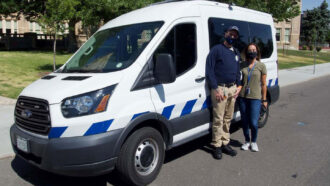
[(250, 112)]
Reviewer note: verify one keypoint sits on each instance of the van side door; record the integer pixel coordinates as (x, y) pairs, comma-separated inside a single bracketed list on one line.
[(184, 102)]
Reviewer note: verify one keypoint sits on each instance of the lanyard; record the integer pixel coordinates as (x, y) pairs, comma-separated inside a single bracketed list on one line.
[(250, 72)]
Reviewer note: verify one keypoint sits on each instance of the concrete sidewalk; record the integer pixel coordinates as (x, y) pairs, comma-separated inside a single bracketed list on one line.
[(301, 74), (286, 77)]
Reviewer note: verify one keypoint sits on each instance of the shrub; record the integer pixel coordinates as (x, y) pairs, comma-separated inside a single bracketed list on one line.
[(318, 49), (311, 48), (304, 47)]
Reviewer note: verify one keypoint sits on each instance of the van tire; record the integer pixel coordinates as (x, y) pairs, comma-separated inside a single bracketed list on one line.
[(141, 157), (263, 120)]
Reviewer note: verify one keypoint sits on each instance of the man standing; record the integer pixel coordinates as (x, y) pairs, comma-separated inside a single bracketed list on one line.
[(223, 75)]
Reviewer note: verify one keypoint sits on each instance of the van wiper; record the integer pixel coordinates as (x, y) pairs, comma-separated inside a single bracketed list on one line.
[(82, 71)]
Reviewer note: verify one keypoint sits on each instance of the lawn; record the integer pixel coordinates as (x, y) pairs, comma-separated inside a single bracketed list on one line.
[(19, 69), (293, 58)]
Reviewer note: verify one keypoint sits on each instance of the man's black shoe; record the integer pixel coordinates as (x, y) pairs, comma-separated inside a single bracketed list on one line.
[(228, 150), (217, 154)]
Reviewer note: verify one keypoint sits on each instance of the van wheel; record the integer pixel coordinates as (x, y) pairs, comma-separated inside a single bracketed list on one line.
[(263, 119), (141, 157)]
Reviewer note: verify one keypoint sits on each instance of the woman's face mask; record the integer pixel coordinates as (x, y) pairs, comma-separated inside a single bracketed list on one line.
[(251, 55)]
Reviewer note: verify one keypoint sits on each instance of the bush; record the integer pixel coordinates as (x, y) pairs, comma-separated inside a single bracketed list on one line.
[(304, 47), (318, 49), (311, 48)]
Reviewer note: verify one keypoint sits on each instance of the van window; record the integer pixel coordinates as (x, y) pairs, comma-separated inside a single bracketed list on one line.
[(218, 27), (262, 35), (181, 44), (113, 49), (249, 32)]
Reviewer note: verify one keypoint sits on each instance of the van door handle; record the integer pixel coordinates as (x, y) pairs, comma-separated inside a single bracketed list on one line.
[(199, 79)]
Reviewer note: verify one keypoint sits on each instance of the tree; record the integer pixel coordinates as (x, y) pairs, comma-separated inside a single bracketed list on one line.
[(280, 9), (54, 18), (315, 24), (7, 7), (91, 13)]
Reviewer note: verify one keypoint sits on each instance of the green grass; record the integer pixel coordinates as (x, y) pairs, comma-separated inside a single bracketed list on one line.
[(19, 69), (293, 58)]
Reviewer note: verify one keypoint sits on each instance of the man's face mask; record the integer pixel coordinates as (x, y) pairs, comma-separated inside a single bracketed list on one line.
[(230, 40)]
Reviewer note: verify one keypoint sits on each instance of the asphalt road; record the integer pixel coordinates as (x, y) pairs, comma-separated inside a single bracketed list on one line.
[(294, 150)]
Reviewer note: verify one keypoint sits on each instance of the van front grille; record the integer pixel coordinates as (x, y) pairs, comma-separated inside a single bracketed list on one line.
[(33, 115)]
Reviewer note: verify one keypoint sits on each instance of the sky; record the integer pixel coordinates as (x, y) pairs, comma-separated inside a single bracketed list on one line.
[(310, 4)]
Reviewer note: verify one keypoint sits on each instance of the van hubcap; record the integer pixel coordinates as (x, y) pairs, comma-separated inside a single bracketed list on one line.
[(146, 156)]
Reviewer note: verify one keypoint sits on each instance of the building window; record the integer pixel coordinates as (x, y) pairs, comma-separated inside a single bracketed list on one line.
[(15, 27), (278, 34), (38, 28), (287, 35), (31, 26), (0, 26), (8, 27)]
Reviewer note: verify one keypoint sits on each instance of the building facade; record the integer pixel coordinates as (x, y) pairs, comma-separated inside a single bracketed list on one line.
[(288, 32), (13, 25)]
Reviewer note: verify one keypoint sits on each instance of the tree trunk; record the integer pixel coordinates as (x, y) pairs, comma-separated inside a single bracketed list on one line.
[(54, 49), (72, 37)]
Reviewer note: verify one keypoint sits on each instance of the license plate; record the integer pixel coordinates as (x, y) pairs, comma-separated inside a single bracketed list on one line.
[(22, 144)]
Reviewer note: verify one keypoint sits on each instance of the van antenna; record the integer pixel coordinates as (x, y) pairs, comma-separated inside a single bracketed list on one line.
[(231, 5)]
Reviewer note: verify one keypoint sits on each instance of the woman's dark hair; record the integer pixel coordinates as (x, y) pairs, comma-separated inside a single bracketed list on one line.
[(258, 51)]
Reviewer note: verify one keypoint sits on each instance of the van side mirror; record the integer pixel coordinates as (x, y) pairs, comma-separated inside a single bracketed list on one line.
[(164, 69)]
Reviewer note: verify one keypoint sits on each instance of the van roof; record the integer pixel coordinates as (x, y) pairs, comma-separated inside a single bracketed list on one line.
[(171, 10)]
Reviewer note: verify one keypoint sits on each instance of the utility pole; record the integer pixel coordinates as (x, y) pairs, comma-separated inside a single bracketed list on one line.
[(314, 54)]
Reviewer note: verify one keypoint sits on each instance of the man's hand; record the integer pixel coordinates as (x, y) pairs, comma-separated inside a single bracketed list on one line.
[(218, 95), (238, 90)]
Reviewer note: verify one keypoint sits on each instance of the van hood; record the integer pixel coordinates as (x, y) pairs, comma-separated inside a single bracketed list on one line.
[(57, 86)]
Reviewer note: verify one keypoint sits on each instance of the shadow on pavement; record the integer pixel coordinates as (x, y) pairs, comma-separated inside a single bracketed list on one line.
[(36, 176), (202, 143)]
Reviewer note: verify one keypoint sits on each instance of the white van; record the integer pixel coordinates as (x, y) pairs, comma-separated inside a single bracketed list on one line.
[(135, 89)]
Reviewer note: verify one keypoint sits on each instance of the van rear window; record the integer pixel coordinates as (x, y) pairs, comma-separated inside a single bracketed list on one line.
[(260, 34)]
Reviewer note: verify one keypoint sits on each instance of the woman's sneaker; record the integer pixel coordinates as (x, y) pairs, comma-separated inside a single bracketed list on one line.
[(245, 146), (254, 147)]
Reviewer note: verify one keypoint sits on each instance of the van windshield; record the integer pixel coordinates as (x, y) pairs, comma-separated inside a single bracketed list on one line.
[(112, 49)]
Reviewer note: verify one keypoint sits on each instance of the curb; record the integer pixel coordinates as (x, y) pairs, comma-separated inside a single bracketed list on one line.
[(7, 101), (8, 155)]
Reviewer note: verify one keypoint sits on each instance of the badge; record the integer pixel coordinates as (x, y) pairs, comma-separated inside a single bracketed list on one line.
[(247, 91)]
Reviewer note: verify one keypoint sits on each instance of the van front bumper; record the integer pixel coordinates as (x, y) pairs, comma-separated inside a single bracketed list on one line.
[(73, 156)]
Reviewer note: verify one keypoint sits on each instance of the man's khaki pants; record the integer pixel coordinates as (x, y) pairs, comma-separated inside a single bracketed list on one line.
[(222, 115)]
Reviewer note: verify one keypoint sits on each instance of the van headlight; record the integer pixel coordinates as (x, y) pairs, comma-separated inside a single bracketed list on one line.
[(88, 103)]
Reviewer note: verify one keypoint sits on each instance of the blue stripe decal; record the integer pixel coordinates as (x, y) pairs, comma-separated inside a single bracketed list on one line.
[(99, 127), (167, 111), (56, 132), (276, 82), (270, 82), (188, 107), (139, 114), (207, 103)]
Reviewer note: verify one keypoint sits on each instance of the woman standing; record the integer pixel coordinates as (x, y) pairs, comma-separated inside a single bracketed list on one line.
[(253, 94)]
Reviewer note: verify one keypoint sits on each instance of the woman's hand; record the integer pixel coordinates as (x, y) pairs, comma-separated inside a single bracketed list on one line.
[(265, 104), (238, 90)]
